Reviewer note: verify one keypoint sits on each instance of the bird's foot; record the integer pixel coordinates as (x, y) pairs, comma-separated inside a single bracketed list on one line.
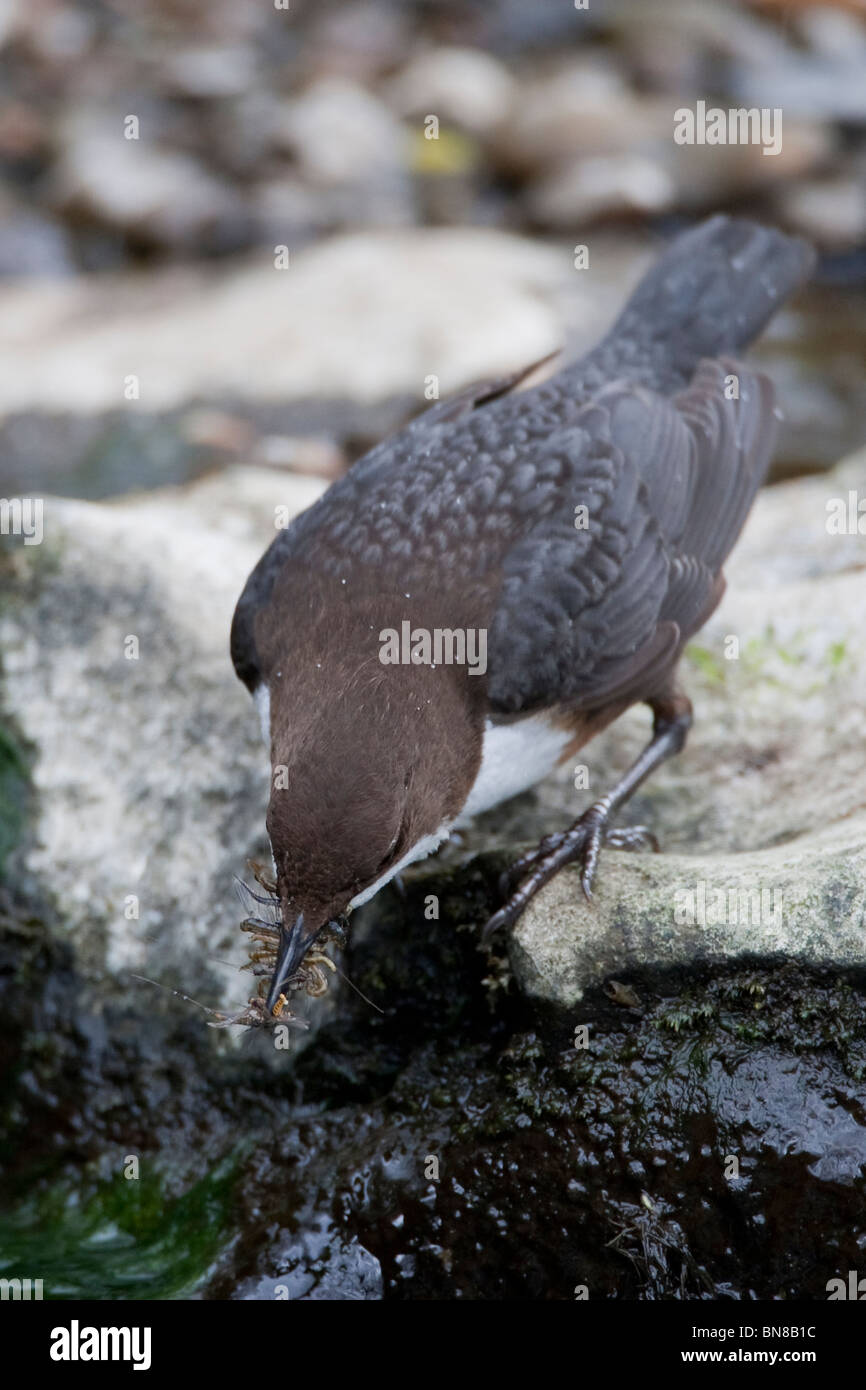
[(581, 844)]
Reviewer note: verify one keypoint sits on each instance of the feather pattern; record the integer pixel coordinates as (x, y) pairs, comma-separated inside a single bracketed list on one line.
[(583, 522)]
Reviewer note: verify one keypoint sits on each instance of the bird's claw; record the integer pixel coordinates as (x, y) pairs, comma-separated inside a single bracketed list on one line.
[(582, 843), (633, 837)]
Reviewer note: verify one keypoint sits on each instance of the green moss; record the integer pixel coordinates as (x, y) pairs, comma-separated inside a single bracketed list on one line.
[(836, 653), (685, 1014), (121, 1238), (706, 662), (787, 1007), (21, 575), (14, 792)]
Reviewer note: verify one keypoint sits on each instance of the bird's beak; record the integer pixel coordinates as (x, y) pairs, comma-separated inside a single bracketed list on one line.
[(295, 942)]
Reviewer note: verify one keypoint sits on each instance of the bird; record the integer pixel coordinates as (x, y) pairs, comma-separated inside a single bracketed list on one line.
[(489, 588)]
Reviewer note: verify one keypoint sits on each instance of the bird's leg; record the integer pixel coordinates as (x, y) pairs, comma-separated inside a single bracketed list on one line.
[(672, 718)]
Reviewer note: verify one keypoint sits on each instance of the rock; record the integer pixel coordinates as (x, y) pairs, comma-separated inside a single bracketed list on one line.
[(831, 212), (584, 109), (828, 30), (706, 175), (460, 85), (136, 186), (767, 797), (150, 773), (240, 502), (627, 1142), (604, 186), (289, 212), (663, 57), (210, 71), (242, 134), (719, 32), (366, 316), (69, 36), (340, 133), (809, 86), (24, 133), (804, 902), (357, 41)]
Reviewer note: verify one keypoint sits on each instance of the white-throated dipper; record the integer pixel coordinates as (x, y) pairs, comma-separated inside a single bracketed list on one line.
[(488, 589)]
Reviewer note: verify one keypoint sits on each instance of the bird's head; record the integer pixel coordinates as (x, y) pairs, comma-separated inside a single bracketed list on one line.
[(365, 779)]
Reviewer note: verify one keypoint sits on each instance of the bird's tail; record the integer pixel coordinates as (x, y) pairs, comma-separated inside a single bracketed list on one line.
[(711, 292)]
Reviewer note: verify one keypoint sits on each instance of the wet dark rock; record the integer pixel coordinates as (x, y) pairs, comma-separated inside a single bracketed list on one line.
[(608, 1165), (711, 1145)]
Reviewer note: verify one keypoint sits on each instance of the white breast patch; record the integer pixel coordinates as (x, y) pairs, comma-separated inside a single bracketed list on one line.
[(514, 757)]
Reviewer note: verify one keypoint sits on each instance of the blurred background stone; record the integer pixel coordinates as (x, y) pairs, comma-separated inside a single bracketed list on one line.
[(260, 128)]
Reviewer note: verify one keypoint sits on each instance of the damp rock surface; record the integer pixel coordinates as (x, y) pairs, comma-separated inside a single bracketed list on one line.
[(705, 1141)]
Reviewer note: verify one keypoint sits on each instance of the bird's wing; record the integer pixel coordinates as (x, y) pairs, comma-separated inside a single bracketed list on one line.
[(361, 516), (595, 613), (474, 503)]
